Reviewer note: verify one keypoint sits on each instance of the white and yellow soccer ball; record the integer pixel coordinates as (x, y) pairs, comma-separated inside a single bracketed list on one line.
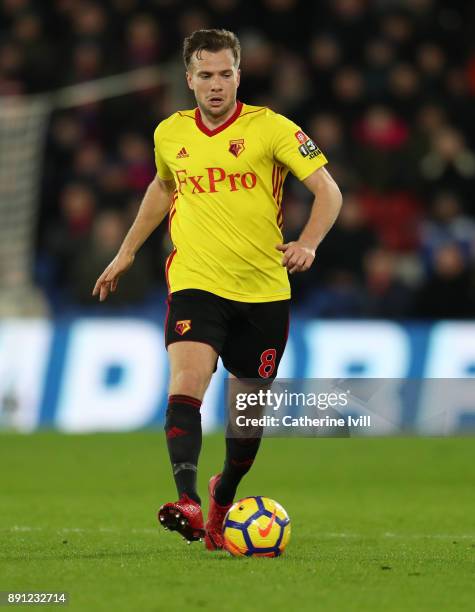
[(256, 527)]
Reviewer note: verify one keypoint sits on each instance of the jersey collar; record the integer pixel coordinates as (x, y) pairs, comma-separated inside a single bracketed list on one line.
[(201, 126)]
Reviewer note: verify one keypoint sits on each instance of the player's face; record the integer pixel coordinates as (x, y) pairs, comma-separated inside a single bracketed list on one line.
[(214, 79)]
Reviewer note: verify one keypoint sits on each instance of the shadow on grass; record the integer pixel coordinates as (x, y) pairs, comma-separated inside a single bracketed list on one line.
[(71, 556), (198, 554)]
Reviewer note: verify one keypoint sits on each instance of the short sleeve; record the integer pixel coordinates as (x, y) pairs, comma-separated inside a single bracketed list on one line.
[(292, 148), (163, 170)]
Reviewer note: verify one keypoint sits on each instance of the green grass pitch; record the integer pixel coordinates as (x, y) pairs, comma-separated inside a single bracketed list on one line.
[(378, 524)]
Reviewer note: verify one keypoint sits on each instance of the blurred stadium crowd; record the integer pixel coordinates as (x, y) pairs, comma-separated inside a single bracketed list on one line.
[(385, 87)]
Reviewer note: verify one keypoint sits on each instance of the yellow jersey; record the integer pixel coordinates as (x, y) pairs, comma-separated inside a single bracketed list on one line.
[(226, 217)]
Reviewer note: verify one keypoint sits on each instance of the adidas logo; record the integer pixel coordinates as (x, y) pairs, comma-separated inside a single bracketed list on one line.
[(182, 153)]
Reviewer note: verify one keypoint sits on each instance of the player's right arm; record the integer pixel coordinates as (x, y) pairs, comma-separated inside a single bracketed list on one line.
[(153, 209)]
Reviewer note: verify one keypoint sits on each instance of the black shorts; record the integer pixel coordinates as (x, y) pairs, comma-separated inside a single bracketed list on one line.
[(249, 337)]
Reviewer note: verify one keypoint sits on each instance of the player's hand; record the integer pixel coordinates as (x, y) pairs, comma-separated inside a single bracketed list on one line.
[(109, 279), (298, 257)]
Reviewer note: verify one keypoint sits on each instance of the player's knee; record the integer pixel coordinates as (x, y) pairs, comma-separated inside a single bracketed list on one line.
[(189, 381)]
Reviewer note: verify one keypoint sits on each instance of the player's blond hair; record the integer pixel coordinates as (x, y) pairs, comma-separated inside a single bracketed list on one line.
[(211, 40)]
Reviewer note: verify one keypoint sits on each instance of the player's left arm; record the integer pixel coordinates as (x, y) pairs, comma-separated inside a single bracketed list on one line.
[(300, 254)]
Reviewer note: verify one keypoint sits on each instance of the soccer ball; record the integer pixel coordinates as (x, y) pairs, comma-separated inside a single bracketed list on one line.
[(256, 527)]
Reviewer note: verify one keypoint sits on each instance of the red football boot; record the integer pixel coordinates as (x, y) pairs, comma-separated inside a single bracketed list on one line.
[(216, 514), (184, 516)]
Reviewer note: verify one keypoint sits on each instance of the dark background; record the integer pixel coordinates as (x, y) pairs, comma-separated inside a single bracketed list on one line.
[(386, 88)]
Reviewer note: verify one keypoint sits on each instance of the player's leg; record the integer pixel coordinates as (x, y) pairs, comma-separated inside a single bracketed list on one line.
[(191, 367), (195, 331), (253, 350)]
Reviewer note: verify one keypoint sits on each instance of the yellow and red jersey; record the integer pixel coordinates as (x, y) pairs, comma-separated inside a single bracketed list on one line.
[(226, 217)]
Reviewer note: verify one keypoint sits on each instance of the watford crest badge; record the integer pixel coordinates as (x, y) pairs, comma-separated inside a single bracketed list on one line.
[(181, 327), (236, 147)]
